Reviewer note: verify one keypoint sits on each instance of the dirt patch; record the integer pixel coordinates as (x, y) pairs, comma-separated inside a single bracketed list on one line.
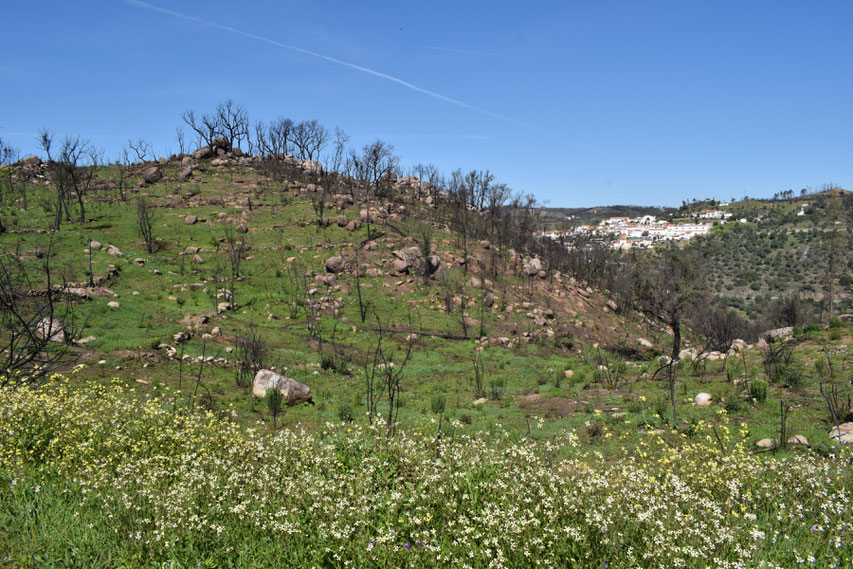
[(549, 407)]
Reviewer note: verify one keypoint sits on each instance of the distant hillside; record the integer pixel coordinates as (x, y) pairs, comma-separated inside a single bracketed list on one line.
[(776, 247), (557, 216)]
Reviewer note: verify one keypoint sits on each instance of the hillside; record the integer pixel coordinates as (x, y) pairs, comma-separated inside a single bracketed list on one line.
[(770, 249), (558, 217), (434, 363), (297, 290)]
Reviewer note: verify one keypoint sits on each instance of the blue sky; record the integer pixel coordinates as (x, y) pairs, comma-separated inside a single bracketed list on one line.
[(579, 103)]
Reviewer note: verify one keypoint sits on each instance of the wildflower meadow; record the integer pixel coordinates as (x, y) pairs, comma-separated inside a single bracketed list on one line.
[(101, 477)]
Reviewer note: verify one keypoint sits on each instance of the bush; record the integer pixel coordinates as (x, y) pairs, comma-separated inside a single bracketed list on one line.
[(496, 388), (835, 322), (345, 412), (758, 390)]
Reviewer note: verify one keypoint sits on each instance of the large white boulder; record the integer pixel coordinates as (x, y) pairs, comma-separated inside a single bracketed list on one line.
[(292, 390)]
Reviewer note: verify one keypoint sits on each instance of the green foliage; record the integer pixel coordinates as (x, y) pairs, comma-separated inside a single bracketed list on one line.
[(438, 403), (59, 505), (496, 388), (758, 390), (273, 399), (345, 412)]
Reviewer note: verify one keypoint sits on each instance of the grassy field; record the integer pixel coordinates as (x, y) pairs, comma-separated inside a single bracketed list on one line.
[(566, 451), (109, 478)]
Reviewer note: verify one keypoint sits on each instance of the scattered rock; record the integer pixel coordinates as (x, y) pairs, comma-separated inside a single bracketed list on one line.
[(488, 300), (738, 345), (292, 390), (113, 304), (94, 244), (645, 343), (139, 261), (335, 264), (353, 225), (843, 433), (190, 220), (182, 336), (798, 440), (311, 166), (569, 373), (480, 401), (114, 251), (203, 153), (766, 443), (532, 267), (50, 329), (197, 259), (151, 175), (342, 221), (434, 262), (702, 399), (777, 334), (242, 228)]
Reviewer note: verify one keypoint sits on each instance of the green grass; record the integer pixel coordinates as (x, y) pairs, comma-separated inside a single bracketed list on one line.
[(105, 477)]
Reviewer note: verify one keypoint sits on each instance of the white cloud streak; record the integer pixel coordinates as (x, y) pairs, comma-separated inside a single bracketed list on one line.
[(397, 80)]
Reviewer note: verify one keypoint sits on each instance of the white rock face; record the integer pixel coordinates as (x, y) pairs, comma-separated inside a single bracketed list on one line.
[(292, 390), (702, 399)]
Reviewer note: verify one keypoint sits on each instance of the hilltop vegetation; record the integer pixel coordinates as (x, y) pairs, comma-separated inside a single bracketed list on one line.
[(779, 252)]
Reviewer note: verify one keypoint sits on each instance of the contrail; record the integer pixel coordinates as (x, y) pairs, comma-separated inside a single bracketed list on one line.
[(361, 68)]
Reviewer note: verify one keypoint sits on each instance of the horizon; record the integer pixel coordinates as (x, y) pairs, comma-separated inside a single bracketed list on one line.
[(579, 105)]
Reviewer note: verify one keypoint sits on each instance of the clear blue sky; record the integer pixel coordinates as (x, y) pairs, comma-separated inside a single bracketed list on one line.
[(580, 103)]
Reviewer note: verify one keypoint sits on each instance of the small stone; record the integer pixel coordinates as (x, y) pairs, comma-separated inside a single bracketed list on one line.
[(702, 399), (766, 443), (190, 220), (113, 304)]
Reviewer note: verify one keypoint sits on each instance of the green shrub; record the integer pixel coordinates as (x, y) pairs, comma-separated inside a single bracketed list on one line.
[(496, 388), (835, 322), (345, 412), (758, 390)]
